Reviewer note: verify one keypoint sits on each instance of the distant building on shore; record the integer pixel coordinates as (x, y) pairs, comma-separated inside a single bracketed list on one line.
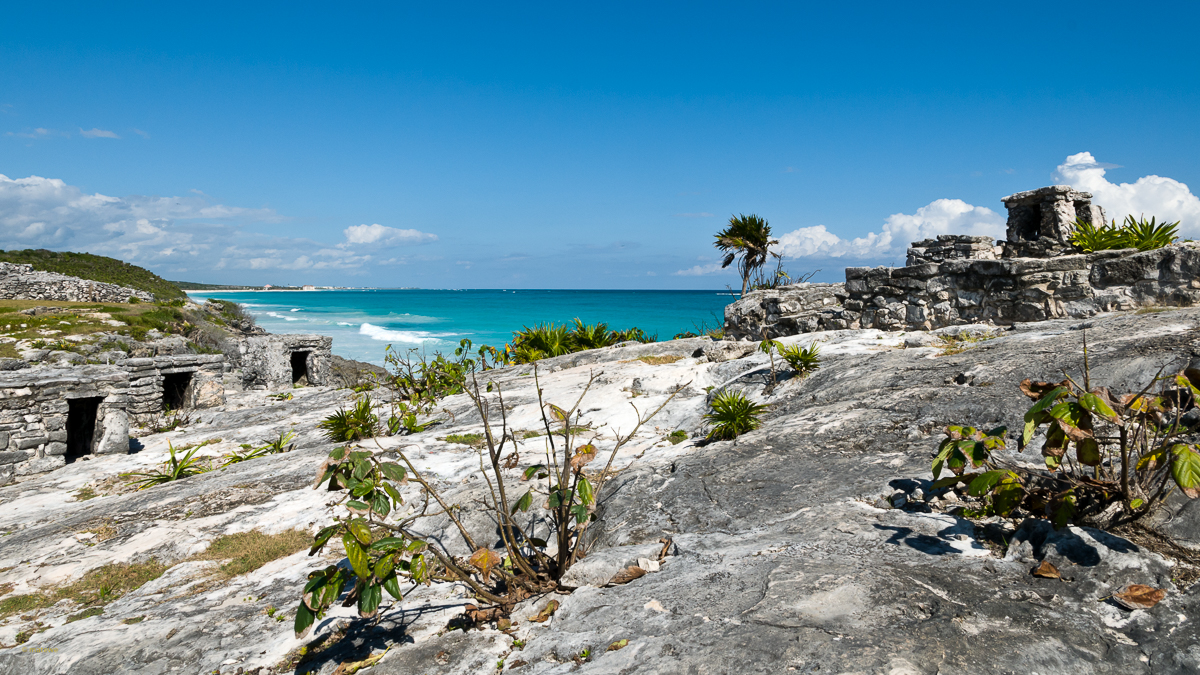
[(308, 287), (266, 287)]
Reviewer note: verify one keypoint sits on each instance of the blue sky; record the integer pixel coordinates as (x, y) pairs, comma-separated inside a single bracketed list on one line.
[(595, 146)]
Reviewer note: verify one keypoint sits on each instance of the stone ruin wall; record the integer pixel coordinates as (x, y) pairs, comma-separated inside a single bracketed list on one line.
[(33, 416), (206, 388), (21, 282), (266, 360), (1035, 275)]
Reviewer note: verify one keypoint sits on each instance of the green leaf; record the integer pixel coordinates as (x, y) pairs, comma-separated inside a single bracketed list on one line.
[(950, 481), (361, 468), (393, 493), (1136, 503), (944, 450), (524, 502), (316, 580), (334, 588), (998, 432), (338, 453), (368, 601), (1096, 405), (380, 504), (386, 544), (322, 537), (580, 512), (974, 451), (359, 454), (1152, 460), (1183, 381), (357, 556), (1065, 509), (357, 505), (361, 530), (392, 471), (532, 470), (392, 586), (1087, 451), (984, 482), (1007, 497), (540, 543), (1052, 462), (363, 488), (1185, 469), (419, 569), (305, 618), (384, 566), (556, 499), (584, 489)]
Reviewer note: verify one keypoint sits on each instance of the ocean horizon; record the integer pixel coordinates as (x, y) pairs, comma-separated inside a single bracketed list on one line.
[(364, 321)]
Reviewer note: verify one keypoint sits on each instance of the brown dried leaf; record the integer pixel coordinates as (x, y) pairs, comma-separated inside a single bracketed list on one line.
[(1036, 390), (618, 645), (626, 575), (583, 455), (1139, 596), (485, 560), (1074, 433), (546, 613), (476, 615), (1047, 571), (329, 461)]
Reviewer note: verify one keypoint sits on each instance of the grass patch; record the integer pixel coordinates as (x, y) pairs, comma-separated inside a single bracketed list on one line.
[(133, 619), (103, 532), (248, 551), (85, 493), (678, 436), (90, 611), (531, 434), (473, 440), (98, 587), (659, 360), (957, 344)]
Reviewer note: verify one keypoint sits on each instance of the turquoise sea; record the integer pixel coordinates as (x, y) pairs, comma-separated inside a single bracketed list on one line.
[(363, 322)]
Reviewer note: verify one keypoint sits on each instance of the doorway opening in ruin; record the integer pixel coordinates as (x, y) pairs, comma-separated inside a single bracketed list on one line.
[(300, 368), (81, 426), (1029, 222), (175, 390)]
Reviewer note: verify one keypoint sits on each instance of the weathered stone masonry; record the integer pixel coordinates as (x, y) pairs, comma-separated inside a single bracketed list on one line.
[(275, 362), (175, 381), (19, 281), (48, 415), (958, 279)]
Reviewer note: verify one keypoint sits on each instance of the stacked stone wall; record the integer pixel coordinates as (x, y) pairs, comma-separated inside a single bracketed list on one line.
[(146, 380), (33, 415), (265, 360), (953, 247), (1002, 292), (21, 282)]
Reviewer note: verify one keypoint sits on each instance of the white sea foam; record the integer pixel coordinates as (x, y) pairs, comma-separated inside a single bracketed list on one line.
[(294, 310), (277, 315), (414, 336)]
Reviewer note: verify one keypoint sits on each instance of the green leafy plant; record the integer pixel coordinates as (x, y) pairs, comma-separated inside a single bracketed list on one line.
[(1142, 234), (547, 340), (748, 240), (732, 414), (416, 377), (174, 469), (355, 424), (1109, 459), (678, 436), (281, 444), (803, 360), (533, 553)]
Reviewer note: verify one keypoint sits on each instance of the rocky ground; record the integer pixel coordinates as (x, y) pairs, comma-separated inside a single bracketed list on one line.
[(813, 544)]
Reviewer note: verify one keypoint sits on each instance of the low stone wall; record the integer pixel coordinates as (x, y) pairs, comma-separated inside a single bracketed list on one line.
[(953, 247), (20, 282), (800, 308), (146, 376), (958, 291), (34, 406), (266, 361)]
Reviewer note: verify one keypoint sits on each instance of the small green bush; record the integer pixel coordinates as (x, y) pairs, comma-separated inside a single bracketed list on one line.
[(355, 424), (678, 436), (174, 469), (1144, 235), (732, 414), (133, 300), (473, 440), (803, 360)]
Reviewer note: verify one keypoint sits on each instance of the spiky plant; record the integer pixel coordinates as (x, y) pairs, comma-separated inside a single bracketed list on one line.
[(355, 424), (748, 241), (803, 360), (174, 469), (1147, 235), (732, 414)]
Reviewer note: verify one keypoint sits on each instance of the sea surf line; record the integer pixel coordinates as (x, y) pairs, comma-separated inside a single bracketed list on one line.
[(363, 322)]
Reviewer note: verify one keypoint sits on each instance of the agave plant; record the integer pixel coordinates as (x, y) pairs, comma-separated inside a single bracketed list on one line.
[(803, 360), (591, 336), (732, 414), (355, 424), (1148, 235), (1144, 235), (174, 469)]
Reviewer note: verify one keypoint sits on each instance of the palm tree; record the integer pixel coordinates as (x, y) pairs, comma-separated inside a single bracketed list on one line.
[(748, 237)]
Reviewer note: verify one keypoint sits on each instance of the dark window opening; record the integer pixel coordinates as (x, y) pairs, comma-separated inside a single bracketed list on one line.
[(175, 390), (300, 368), (1082, 212), (1029, 222), (81, 426)]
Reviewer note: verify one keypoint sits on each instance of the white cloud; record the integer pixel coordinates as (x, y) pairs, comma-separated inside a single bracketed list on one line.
[(1163, 198), (942, 216), (381, 235), (699, 270), (97, 133)]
